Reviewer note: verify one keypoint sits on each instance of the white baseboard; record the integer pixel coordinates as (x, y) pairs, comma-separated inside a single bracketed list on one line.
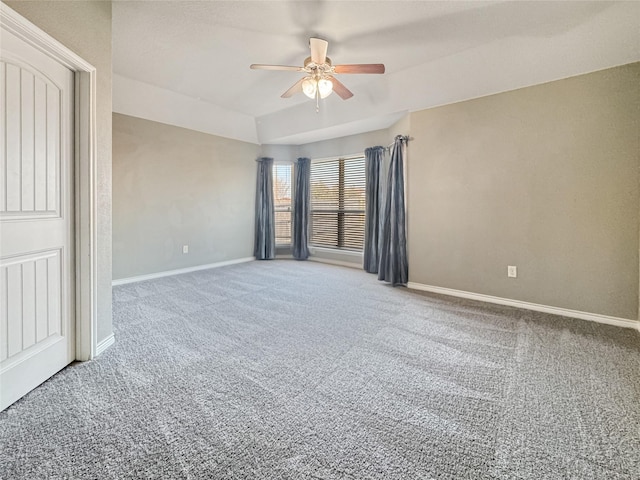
[(593, 317), (104, 344), (151, 276)]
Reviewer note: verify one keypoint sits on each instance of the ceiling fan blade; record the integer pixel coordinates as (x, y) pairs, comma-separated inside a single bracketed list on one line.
[(258, 66), (318, 50), (342, 91), (295, 88), (360, 68)]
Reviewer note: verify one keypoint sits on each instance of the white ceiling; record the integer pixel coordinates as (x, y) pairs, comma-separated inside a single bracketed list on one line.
[(187, 62)]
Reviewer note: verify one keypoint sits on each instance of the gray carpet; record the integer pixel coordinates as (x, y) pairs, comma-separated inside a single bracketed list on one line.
[(298, 370)]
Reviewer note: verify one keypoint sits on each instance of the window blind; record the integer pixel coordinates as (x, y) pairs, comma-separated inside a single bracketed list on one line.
[(282, 202), (338, 203)]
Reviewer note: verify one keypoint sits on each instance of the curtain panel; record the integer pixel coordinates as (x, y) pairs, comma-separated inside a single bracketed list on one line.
[(301, 206), (265, 241), (393, 266), (373, 206)]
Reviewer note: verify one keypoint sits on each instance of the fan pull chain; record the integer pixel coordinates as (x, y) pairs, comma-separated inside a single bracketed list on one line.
[(317, 100)]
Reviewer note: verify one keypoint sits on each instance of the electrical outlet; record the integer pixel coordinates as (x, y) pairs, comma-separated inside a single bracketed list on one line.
[(185, 249), (512, 271)]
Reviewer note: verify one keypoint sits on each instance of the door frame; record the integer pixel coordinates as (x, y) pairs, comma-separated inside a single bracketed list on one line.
[(85, 198)]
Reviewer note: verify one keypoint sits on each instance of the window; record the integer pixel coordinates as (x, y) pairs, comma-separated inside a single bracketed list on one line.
[(337, 203), (282, 202)]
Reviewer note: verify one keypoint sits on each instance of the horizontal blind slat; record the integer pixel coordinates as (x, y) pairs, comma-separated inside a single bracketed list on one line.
[(282, 202), (338, 203)]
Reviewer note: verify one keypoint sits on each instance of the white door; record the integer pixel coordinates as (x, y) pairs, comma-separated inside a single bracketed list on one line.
[(37, 325)]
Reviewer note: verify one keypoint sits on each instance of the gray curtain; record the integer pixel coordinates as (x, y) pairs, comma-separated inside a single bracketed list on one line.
[(373, 161), (265, 244), (300, 231), (393, 267)]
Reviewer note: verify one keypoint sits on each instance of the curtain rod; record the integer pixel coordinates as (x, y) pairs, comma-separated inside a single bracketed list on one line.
[(406, 138), (338, 157), (345, 157), (359, 155)]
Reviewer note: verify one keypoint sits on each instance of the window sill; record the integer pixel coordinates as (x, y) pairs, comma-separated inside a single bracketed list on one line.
[(320, 251), (345, 258)]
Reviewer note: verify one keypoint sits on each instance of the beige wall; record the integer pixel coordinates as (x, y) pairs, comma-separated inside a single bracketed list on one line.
[(348, 145), (401, 127), (280, 153), (544, 178), (175, 187), (85, 28)]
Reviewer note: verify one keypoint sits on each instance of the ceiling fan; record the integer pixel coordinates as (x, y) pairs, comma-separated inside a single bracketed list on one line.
[(319, 81)]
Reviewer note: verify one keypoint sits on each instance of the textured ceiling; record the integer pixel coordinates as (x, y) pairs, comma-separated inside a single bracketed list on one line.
[(434, 52)]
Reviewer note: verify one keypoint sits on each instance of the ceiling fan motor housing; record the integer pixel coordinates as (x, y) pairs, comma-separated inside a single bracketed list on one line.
[(318, 70)]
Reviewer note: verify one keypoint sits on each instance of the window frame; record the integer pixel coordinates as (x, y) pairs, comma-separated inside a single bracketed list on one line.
[(340, 211), (289, 207)]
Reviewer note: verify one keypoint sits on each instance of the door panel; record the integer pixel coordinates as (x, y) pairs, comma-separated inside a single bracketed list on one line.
[(30, 288), (36, 218), (32, 163)]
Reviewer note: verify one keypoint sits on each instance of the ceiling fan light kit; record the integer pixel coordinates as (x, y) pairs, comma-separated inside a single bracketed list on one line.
[(320, 82), (313, 87)]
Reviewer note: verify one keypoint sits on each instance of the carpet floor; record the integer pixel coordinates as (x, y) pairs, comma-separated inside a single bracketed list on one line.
[(299, 370)]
